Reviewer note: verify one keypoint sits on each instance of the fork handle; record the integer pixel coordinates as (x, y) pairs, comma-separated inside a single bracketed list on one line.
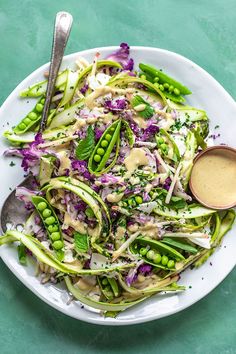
[(63, 23)]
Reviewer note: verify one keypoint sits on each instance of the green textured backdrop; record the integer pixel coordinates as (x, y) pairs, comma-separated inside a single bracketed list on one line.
[(203, 31)]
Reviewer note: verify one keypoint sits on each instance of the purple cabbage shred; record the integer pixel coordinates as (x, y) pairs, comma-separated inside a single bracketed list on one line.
[(82, 167), (115, 105), (122, 57), (167, 183)]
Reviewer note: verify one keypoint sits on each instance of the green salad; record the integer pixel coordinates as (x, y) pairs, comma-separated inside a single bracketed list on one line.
[(111, 215)]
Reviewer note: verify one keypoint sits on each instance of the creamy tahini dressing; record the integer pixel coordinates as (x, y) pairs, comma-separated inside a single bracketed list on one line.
[(213, 178), (141, 122), (79, 226), (136, 158), (114, 197)]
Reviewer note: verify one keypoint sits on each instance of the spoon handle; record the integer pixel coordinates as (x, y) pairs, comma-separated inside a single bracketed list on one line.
[(63, 23)]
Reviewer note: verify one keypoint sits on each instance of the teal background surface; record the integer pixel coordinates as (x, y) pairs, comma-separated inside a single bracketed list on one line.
[(204, 31)]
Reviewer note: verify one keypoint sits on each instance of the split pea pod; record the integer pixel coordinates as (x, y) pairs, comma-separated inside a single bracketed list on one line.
[(167, 145), (156, 253), (109, 287), (103, 149), (31, 118), (51, 223), (168, 82)]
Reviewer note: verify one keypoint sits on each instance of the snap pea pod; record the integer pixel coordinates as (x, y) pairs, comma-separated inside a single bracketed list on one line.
[(51, 223), (45, 256), (39, 89), (155, 253), (167, 145), (165, 79), (91, 198), (102, 151), (109, 287), (31, 118), (158, 245), (180, 244), (154, 80)]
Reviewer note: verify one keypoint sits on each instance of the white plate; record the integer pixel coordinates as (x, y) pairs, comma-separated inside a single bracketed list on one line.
[(207, 94)]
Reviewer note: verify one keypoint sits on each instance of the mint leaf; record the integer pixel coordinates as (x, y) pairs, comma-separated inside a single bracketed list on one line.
[(81, 242), (86, 145), (147, 112)]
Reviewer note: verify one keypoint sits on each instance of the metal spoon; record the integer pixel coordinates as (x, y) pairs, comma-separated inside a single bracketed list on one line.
[(12, 211)]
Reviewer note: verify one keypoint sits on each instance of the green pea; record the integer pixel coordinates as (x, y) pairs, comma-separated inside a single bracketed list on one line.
[(27, 121), (157, 258), (156, 79), (100, 151), (53, 228), (104, 281), (164, 147), (46, 213), (166, 85), (138, 199), (164, 260), (171, 264), (150, 254), (42, 100), (57, 245), (156, 84), (112, 129), (176, 91), (97, 158), (161, 87), (131, 202), (107, 288), (125, 204), (89, 212), (22, 126), (143, 251), (42, 206), (104, 143), (39, 107), (143, 77), (160, 140), (55, 236), (50, 220), (108, 137), (171, 88), (32, 115)]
